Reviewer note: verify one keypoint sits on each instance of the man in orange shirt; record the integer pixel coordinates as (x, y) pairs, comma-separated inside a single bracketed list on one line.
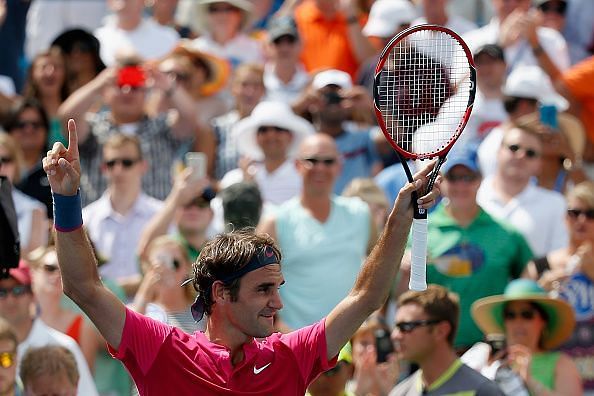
[(331, 35)]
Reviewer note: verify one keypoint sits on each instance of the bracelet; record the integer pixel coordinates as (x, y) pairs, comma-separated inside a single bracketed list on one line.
[(67, 212)]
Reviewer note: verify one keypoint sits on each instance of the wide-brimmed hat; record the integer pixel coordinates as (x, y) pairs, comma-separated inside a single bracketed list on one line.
[(488, 312), (218, 70), (276, 114), (244, 6)]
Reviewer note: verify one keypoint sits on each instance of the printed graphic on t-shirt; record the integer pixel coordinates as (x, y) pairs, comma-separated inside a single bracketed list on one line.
[(461, 260)]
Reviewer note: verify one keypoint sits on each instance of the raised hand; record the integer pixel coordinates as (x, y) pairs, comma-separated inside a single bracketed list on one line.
[(404, 200), (62, 164)]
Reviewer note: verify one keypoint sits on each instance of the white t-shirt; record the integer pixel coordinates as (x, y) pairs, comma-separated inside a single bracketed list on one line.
[(486, 115), (149, 40)]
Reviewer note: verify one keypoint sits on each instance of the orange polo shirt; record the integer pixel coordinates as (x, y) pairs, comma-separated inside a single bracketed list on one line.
[(580, 81), (325, 41)]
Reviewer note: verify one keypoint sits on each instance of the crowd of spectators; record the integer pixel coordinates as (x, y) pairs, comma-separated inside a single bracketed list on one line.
[(277, 96)]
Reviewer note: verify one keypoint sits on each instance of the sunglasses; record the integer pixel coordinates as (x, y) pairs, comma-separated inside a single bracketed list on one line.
[(313, 161), (5, 160), (263, 129), (527, 314), (575, 213), (198, 202), (288, 39), (15, 291), (221, 8), (557, 8), (530, 153), (407, 327), (7, 359), (32, 124), (468, 178), (125, 162)]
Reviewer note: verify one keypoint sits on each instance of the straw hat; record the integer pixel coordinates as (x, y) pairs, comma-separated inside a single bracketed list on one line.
[(218, 71), (487, 312), (276, 114)]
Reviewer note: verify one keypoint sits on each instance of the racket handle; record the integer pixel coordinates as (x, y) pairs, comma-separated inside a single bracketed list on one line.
[(418, 265)]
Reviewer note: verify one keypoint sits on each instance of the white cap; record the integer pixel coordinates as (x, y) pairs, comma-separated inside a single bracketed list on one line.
[(332, 77), (386, 16), (531, 82)]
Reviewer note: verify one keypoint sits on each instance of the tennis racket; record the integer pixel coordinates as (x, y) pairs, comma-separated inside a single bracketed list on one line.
[(424, 88)]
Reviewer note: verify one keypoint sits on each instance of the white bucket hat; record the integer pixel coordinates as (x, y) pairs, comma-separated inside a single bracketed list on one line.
[(276, 114), (531, 82), (386, 17)]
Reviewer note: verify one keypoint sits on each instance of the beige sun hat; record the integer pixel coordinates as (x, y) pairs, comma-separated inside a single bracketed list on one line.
[(487, 312), (244, 6)]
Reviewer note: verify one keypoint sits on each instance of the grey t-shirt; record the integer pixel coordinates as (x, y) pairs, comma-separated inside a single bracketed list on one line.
[(458, 380)]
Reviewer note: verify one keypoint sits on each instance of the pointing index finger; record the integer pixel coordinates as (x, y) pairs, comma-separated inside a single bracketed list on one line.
[(72, 138)]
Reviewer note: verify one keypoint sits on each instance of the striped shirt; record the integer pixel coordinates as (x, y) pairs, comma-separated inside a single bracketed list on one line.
[(227, 157), (159, 147)]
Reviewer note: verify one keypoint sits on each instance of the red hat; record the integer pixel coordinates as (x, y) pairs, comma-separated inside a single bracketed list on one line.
[(21, 273)]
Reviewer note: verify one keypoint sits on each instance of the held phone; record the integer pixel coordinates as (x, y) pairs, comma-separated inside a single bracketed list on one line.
[(548, 117), (383, 345), (496, 342), (197, 161)]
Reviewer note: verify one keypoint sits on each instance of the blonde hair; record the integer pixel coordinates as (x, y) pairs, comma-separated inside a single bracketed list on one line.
[(583, 191), (48, 360), (118, 140), (15, 151)]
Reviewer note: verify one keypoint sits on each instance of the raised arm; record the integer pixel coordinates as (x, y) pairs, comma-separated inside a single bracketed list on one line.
[(75, 256), (379, 271)]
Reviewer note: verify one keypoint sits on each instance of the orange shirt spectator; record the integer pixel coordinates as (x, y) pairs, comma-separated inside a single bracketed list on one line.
[(327, 42), (580, 80)]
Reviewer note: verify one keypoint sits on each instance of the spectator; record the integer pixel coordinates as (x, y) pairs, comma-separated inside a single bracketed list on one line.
[(269, 138), (534, 325), (477, 11), (28, 125), (579, 29), (49, 370), (511, 195), (201, 75), (368, 191), (333, 382), (436, 12), (237, 278), (223, 24), (159, 297), (65, 15), (320, 234), (332, 37), (186, 214), (124, 91), (552, 13), (15, 306), (31, 214), (116, 220), (163, 12), (331, 100), (471, 253), (569, 273), (247, 87), (426, 323), (12, 42), (128, 33), (284, 74), (81, 52), (46, 82), (8, 360)]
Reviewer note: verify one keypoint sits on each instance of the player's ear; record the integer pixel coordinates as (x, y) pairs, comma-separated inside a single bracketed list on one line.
[(219, 292)]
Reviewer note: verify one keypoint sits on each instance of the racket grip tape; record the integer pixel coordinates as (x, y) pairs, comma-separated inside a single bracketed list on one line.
[(418, 265)]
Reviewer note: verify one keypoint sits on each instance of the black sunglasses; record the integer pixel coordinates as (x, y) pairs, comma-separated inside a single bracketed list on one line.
[(313, 161), (575, 213), (5, 160), (526, 314), (15, 291), (198, 202), (32, 124), (126, 162), (265, 128), (558, 8), (530, 153), (287, 38), (407, 327), (468, 178)]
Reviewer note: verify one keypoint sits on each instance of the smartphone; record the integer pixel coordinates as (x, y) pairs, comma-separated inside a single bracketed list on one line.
[(383, 345), (548, 116), (196, 161), (496, 342)]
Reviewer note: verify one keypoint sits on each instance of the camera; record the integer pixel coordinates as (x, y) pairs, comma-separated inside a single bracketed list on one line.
[(333, 97), (383, 345)]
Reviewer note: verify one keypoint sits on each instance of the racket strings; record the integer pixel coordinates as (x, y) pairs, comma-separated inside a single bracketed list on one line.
[(424, 91)]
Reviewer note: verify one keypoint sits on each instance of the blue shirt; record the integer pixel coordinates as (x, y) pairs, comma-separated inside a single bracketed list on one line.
[(359, 154)]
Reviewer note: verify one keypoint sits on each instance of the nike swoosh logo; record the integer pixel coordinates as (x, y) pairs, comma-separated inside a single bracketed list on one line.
[(259, 370)]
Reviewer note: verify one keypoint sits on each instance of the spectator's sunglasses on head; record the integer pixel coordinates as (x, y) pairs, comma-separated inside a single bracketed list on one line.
[(125, 162), (16, 291), (575, 213), (408, 327), (558, 7), (7, 359)]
